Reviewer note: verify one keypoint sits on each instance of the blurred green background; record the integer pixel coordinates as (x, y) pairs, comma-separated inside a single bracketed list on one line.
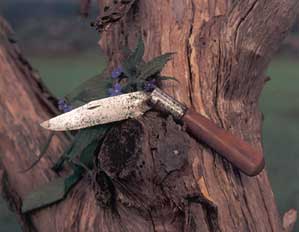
[(63, 48)]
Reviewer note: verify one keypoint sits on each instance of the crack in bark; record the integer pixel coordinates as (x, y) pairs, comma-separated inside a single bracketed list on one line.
[(217, 86), (152, 221), (265, 206), (211, 221), (246, 202), (243, 18), (187, 217), (189, 52), (220, 183), (245, 218)]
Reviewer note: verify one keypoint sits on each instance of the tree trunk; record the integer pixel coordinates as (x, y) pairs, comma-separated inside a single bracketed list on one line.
[(222, 51), (159, 178)]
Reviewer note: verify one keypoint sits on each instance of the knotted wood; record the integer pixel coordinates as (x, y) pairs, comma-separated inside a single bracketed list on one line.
[(222, 51)]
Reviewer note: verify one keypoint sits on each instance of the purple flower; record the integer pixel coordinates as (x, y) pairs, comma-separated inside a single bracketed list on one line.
[(60, 107), (63, 106), (116, 90), (117, 72), (67, 108), (61, 101), (150, 85)]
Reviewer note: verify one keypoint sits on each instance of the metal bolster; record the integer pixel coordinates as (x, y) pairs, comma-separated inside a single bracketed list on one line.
[(167, 103)]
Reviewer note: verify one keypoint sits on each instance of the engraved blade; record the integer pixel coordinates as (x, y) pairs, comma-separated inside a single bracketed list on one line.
[(101, 111)]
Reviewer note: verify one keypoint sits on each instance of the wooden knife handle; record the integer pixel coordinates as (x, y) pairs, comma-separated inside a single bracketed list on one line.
[(238, 152)]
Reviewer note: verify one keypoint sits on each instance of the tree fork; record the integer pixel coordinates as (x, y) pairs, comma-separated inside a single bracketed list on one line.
[(163, 179)]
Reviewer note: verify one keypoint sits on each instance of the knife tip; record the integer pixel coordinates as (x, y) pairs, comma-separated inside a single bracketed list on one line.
[(45, 124)]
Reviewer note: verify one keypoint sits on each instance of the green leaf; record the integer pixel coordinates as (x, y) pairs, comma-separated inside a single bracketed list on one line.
[(154, 66), (44, 195), (50, 193), (87, 155), (129, 69), (92, 89), (136, 56), (140, 85), (57, 167), (9, 221), (87, 137), (71, 180), (84, 146), (133, 60), (127, 51)]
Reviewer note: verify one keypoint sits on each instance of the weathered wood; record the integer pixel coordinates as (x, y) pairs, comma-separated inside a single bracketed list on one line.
[(152, 176), (222, 51), (156, 187), (24, 103)]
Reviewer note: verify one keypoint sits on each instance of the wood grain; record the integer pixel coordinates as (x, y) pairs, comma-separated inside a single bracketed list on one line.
[(163, 180), (222, 51)]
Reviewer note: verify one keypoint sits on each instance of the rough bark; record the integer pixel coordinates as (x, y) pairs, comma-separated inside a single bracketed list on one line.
[(152, 176), (24, 104), (223, 49)]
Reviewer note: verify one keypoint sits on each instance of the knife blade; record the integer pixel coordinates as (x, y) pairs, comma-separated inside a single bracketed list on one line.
[(101, 111)]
